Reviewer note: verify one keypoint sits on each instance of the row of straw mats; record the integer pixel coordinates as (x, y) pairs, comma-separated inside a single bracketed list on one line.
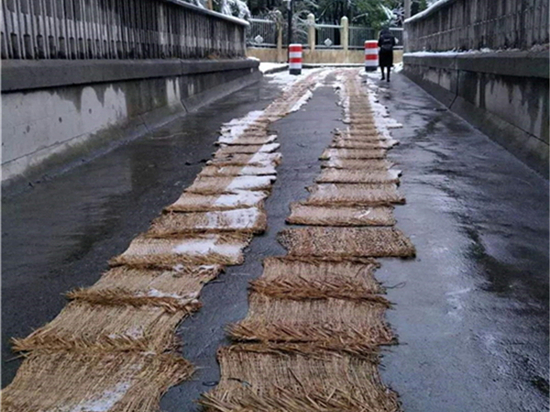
[(114, 346), (317, 316)]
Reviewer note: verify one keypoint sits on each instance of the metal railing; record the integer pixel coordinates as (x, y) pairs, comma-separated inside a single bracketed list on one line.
[(117, 29), (328, 35), (261, 33), (358, 36)]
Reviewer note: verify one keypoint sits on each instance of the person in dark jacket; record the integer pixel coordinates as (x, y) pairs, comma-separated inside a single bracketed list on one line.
[(386, 43)]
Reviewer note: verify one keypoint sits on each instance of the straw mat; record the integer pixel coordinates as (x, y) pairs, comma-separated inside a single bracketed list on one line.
[(358, 176), (347, 242), (237, 171), (289, 279), (205, 249), (249, 220), (260, 379), (358, 127), (303, 214), (329, 323), (365, 145), (257, 159), (374, 194), (191, 202), (83, 326), (173, 290), (353, 154), (235, 149), (358, 135), (355, 164), (213, 185), (114, 382)]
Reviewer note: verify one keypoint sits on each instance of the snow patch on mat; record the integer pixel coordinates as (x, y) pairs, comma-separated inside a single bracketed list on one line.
[(384, 123), (235, 128), (206, 246), (240, 198), (105, 403), (250, 182), (303, 100)]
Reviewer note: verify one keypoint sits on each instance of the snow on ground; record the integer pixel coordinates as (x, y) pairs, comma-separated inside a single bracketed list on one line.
[(384, 123), (303, 100), (452, 53), (397, 68), (286, 79), (268, 67)]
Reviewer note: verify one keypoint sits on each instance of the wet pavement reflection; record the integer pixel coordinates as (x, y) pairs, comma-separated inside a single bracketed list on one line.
[(59, 234), (472, 309)]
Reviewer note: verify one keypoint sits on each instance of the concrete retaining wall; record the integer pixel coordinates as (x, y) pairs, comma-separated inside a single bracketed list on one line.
[(504, 94), (54, 112), (318, 56)]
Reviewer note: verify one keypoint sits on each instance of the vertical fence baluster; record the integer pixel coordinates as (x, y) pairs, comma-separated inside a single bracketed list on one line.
[(95, 29)]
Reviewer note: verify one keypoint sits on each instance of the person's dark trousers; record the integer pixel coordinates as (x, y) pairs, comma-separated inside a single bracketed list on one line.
[(384, 77)]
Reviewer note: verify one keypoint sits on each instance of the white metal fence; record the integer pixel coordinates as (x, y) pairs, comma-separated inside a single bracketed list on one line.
[(263, 33)]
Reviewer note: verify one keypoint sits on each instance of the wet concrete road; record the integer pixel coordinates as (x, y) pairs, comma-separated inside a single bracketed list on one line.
[(60, 234), (471, 311)]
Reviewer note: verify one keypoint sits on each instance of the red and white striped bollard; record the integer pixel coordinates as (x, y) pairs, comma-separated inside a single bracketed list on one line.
[(371, 55), (295, 58)]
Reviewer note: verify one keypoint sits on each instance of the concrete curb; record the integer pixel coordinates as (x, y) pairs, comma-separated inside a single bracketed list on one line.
[(276, 69), (21, 75)]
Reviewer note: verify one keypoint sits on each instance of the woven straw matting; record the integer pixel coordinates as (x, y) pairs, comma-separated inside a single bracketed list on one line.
[(236, 149), (191, 202), (170, 289), (358, 135), (84, 326), (363, 128), (361, 118), (260, 379), (347, 242), (249, 220), (355, 164), (257, 159), (365, 119), (114, 382), (217, 171), (365, 145), (213, 185), (358, 176), (286, 278), (329, 323), (353, 154), (208, 249), (376, 194), (302, 214)]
